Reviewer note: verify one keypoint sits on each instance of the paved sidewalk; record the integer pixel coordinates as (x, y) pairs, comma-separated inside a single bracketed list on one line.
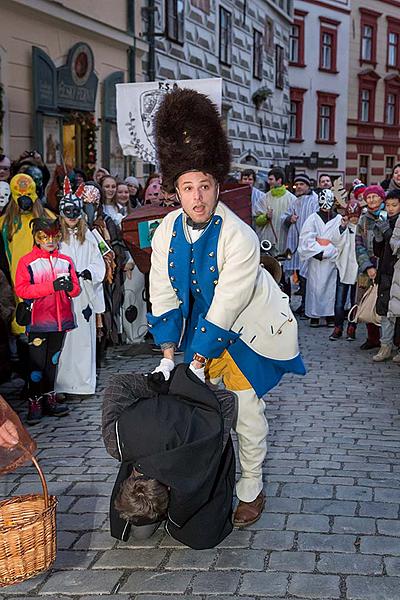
[(331, 526)]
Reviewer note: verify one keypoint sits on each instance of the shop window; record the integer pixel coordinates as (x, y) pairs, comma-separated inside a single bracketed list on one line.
[(364, 168), (175, 16), (368, 35), (225, 36), (257, 54), (296, 114), (279, 67), (296, 43), (326, 115)]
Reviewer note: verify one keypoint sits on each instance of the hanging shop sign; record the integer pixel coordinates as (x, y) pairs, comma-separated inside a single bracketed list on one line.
[(77, 81), (314, 161)]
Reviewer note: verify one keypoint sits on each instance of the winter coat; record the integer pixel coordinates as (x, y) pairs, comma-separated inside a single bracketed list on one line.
[(394, 302), (176, 437), (386, 263), (366, 234), (36, 272)]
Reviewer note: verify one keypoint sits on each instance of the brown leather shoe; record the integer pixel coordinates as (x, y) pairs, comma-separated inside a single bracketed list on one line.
[(248, 513)]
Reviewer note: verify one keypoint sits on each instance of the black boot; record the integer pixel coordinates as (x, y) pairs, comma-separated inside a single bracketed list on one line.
[(51, 406), (35, 410)]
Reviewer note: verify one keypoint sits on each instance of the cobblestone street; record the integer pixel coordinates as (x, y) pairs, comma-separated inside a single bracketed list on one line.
[(331, 526)]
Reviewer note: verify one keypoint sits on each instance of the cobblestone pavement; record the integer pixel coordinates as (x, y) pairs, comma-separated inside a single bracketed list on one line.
[(331, 527)]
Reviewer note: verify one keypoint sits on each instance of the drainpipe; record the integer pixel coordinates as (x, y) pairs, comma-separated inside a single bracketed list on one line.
[(151, 67)]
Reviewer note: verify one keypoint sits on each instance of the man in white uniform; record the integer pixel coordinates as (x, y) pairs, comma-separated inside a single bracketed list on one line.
[(209, 295)]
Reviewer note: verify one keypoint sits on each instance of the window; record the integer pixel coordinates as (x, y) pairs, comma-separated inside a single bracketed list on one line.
[(257, 54), (279, 67), (366, 96), (366, 43), (203, 5), (175, 16), (296, 42), (326, 113), (390, 109), (294, 45), (389, 164), (364, 168), (368, 35), (269, 36), (365, 105), (328, 44), (393, 40), (225, 36), (326, 51), (296, 114)]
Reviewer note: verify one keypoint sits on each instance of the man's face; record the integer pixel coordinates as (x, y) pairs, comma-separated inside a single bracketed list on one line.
[(5, 166), (392, 206), (198, 195), (301, 188), (373, 201), (325, 182), (249, 179), (273, 182)]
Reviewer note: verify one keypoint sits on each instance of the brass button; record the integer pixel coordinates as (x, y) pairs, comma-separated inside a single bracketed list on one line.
[(215, 281), (290, 320), (194, 281), (171, 250), (198, 290), (176, 290), (171, 264), (217, 222), (202, 329), (194, 271), (165, 319), (220, 340), (279, 332), (192, 260), (211, 254), (172, 278), (212, 269), (174, 234)]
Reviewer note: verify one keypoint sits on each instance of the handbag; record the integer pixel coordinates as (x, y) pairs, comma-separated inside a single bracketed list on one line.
[(23, 313), (365, 310)]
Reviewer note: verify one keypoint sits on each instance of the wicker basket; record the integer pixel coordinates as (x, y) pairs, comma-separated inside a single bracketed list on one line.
[(28, 542)]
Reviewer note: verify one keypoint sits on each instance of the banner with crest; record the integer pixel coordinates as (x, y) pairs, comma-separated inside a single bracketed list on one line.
[(137, 104)]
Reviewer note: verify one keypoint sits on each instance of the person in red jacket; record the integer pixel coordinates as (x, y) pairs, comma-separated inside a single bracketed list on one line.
[(47, 280)]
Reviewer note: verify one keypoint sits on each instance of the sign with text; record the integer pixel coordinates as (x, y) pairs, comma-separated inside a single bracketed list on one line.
[(137, 105)]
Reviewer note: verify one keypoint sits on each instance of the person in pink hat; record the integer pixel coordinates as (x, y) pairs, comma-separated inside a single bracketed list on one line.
[(374, 196)]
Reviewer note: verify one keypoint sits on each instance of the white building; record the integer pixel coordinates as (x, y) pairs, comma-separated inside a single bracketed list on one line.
[(246, 44), (319, 80)]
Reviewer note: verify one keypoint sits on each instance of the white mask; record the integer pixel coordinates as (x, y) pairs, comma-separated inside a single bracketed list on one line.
[(4, 194)]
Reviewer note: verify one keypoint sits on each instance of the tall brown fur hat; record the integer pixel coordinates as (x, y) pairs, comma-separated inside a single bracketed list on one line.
[(190, 137)]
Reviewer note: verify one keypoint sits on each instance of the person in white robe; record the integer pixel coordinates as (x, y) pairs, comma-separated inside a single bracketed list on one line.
[(320, 255), (77, 366)]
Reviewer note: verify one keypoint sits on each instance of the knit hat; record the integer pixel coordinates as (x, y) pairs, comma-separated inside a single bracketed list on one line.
[(374, 189), (131, 181), (358, 188), (302, 177)]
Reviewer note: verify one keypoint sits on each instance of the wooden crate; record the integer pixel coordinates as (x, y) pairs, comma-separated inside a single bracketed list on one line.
[(236, 196)]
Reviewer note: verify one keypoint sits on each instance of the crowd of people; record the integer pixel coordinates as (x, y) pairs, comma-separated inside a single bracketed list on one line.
[(68, 281), (66, 231), (341, 245)]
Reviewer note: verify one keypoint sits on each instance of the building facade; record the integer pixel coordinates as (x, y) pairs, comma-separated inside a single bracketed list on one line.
[(373, 126), (59, 62), (244, 43), (319, 76)]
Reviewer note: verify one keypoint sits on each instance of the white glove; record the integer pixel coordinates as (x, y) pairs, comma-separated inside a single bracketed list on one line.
[(198, 372), (165, 367)]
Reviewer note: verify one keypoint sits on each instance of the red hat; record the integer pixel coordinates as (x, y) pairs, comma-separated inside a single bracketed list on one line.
[(358, 188), (375, 189)]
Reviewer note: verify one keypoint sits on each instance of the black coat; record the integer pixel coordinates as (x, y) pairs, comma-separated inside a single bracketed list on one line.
[(385, 265), (177, 438)]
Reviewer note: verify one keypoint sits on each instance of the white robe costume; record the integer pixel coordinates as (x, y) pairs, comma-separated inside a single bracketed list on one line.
[(322, 274), (274, 230), (77, 366), (134, 308)]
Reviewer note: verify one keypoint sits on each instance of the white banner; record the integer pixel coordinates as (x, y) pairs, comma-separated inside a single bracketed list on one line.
[(137, 105)]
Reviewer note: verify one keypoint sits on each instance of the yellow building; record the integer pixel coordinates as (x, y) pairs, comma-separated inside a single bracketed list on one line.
[(373, 126), (59, 63)]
